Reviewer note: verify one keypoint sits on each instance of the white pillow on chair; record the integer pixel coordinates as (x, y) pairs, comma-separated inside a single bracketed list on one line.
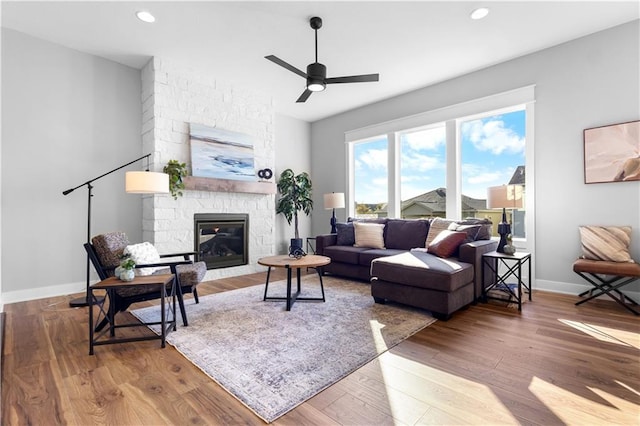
[(143, 254)]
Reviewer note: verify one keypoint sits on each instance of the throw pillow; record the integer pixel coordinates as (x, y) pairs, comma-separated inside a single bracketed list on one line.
[(437, 225), (485, 230), (610, 243), (143, 254), (345, 234), (471, 230), (369, 235), (446, 243)]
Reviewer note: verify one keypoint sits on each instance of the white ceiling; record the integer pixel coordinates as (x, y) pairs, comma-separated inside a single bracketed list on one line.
[(410, 44)]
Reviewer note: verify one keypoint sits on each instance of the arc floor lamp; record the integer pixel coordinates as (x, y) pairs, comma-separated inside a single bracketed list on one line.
[(144, 182)]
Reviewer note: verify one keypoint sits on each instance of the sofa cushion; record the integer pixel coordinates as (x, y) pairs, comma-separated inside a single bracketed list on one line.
[(368, 255), (610, 243), (419, 269), (405, 234), (344, 254), (369, 235), (345, 234), (436, 226), (446, 243)]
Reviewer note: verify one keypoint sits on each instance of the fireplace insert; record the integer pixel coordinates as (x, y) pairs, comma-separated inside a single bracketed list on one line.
[(221, 239)]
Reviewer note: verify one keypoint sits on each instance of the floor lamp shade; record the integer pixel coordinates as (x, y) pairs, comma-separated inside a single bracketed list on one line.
[(146, 183)]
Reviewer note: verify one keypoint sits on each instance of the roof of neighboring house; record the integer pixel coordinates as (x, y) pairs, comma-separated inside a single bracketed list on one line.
[(518, 177), (436, 201)]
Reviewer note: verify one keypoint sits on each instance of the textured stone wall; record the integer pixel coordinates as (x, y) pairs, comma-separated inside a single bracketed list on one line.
[(173, 97)]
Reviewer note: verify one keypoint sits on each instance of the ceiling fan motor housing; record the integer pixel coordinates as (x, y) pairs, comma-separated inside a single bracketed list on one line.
[(316, 74)]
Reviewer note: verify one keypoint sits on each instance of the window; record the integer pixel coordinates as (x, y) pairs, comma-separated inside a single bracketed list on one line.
[(492, 150), (442, 162), (370, 178), (422, 171)]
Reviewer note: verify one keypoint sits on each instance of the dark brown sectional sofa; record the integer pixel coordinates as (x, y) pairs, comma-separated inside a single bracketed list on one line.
[(405, 270)]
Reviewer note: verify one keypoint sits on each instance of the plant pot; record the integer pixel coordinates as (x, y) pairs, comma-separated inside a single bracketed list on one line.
[(295, 249), (127, 275)]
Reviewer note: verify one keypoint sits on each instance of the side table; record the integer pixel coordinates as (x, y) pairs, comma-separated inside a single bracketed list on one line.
[(513, 264), (110, 285)]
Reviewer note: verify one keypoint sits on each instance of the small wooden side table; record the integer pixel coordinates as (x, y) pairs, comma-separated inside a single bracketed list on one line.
[(513, 263), (285, 261), (111, 285)]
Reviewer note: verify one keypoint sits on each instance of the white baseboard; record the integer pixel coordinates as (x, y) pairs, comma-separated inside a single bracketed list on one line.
[(43, 292), (574, 289)]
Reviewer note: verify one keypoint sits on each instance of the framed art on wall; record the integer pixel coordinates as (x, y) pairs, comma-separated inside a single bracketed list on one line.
[(612, 153), (221, 154)]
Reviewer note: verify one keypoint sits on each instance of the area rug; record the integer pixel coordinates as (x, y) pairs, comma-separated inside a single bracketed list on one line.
[(273, 360)]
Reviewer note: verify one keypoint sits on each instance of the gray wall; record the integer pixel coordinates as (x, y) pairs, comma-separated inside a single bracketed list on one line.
[(292, 152), (588, 82), (67, 117)]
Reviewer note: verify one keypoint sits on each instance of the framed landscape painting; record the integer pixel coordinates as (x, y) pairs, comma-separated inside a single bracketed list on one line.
[(612, 153), (221, 154)]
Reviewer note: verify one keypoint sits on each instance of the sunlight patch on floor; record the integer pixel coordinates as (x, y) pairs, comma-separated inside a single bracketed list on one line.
[(606, 334), (570, 407), (469, 401)]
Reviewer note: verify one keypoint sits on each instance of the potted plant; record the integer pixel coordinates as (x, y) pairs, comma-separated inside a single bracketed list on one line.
[(126, 269), (176, 171), (295, 196)]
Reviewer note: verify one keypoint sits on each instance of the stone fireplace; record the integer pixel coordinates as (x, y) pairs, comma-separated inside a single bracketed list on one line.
[(221, 239), (173, 98)]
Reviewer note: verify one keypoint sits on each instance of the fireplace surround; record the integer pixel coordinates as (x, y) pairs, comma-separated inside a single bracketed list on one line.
[(221, 240)]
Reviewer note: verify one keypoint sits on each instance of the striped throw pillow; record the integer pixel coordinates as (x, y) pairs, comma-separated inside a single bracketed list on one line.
[(369, 235), (610, 243)]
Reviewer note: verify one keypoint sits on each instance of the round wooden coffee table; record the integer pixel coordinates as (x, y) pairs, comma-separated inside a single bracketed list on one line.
[(285, 261)]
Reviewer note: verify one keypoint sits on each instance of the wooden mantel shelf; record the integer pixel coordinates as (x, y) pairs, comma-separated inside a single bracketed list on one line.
[(224, 185)]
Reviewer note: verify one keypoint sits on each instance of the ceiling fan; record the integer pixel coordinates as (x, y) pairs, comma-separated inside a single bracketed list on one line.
[(316, 74)]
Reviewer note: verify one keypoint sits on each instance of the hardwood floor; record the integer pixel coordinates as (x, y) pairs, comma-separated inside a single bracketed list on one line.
[(552, 364)]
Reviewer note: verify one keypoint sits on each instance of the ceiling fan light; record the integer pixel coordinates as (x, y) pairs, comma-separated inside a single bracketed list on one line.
[(316, 86)]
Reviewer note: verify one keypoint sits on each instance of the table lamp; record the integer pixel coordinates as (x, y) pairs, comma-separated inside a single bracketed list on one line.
[(334, 201), (504, 197)]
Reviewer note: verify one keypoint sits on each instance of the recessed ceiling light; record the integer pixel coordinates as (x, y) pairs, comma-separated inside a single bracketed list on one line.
[(145, 16), (479, 13)]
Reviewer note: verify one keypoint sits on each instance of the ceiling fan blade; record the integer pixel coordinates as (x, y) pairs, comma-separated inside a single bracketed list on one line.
[(353, 79), (305, 95), (283, 64)]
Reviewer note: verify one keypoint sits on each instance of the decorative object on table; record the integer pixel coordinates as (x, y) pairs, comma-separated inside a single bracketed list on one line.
[(145, 182), (509, 248), (316, 346), (612, 153), (295, 196), (176, 171), (334, 201), (221, 154), (127, 272), (505, 197), (316, 74), (265, 174)]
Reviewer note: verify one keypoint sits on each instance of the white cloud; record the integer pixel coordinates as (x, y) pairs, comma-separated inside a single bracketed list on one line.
[(493, 136), (412, 162), (431, 139), (374, 159)]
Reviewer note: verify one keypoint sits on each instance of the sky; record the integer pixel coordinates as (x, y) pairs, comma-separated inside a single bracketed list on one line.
[(491, 149)]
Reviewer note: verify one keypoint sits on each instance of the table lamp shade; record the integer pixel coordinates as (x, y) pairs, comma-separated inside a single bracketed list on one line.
[(335, 200), (505, 196), (146, 183)]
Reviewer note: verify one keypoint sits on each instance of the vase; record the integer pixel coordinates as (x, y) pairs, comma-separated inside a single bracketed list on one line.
[(118, 271), (509, 249), (127, 275)]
